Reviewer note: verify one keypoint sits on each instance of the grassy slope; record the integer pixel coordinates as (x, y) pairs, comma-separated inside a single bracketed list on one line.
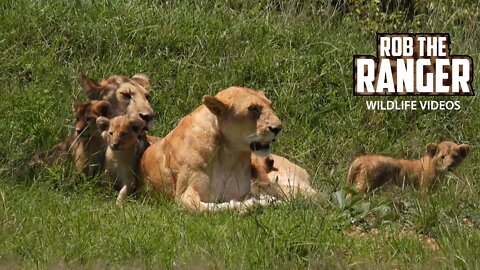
[(301, 56)]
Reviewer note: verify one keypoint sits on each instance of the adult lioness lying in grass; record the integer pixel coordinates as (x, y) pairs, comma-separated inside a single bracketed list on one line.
[(204, 163), (369, 172)]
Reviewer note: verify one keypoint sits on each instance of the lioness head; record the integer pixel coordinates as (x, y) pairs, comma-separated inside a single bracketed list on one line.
[(446, 155), (245, 118), (120, 132), (86, 114), (129, 96)]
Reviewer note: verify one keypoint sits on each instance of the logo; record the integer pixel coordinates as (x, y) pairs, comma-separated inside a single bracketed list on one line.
[(413, 65)]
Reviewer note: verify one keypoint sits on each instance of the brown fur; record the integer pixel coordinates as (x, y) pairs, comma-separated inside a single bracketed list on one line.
[(88, 147), (370, 172), (260, 167), (85, 145), (279, 177), (206, 160), (121, 135), (127, 96)]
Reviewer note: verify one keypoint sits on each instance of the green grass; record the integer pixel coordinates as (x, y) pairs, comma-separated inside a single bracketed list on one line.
[(301, 54)]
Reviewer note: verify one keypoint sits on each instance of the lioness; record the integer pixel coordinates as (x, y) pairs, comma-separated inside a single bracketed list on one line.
[(128, 96), (205, 161), (121, 158), (369, 172), (285, 179)]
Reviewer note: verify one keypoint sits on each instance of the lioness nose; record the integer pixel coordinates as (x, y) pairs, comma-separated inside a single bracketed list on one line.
[(147, 117), (275, 129)]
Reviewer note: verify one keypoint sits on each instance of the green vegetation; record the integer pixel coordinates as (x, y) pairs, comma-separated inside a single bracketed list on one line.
[(300, 53)]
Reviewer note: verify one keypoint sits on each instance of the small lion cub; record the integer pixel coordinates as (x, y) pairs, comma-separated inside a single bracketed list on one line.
[(84, 143), (121, 134), (87, 143), (370, 172)]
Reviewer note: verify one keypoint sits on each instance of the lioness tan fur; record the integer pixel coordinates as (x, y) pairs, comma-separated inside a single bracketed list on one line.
[(370, 172), (121, 157), (128, 96), (285, 178), (206, 160)]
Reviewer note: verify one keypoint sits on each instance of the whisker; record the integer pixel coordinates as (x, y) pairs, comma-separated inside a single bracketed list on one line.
[(254, 136)]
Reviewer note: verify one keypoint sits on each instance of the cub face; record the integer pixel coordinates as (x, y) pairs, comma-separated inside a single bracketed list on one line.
[(446, 156), (120, 132), (246, 118), (128, 96), (86, 115)]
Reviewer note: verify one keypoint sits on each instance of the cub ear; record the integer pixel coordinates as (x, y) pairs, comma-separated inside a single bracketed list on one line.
[(103, 123), (102, 108), (143, 80), (137, 125), (91, 88), (76, 105), (215, 105), (432, 149), (269, 164), (464, 149)]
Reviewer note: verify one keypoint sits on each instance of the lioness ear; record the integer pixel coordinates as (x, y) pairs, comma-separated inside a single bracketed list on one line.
[(143, 80), (432, 149), (137, 125), (76, 105), (103, 123), (92, 89), (102, 108), (464, 149), (261, 93), (216, 106)]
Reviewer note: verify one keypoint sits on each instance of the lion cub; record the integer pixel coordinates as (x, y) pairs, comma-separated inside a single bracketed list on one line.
[(88, 146), (121, 134), (84, 143), (370, 172), (279, 177)]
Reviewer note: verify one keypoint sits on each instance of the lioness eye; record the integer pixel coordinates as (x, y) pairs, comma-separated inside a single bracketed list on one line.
[(255, 110), (111, 133), (126, 95), (442, 157)]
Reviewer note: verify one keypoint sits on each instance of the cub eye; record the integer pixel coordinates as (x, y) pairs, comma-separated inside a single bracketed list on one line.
[(111, 133), (147, 97), (77, 119), (256, 110), (442, 157), (126, 95), (91, 120)]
